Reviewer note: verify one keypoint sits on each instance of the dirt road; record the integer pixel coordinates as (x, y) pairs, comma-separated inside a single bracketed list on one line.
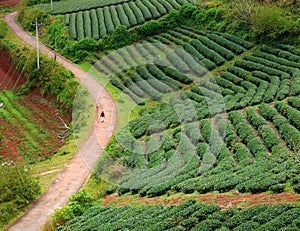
[(76, 172)]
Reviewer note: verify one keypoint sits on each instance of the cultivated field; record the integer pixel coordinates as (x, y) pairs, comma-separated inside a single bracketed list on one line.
[(97, 18), (236, 127)]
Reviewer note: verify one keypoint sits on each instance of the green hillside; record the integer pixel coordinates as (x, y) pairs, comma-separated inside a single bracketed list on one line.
[(188, 216), (217, 93)]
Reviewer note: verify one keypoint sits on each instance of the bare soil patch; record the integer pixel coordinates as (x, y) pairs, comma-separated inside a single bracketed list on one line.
[(225, 201), (9, 2), (39, 110), (10, 78)]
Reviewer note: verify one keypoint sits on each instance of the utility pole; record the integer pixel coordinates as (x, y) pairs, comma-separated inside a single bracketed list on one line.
[(54, 53), (37, 42)]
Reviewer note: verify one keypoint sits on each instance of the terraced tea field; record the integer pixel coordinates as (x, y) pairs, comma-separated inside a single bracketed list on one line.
[(236, 127), (97, 18), (188, 216)]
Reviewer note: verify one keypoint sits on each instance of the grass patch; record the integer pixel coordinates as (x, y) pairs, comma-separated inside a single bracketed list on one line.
[(96, 186), (53, 163), (126, 107), (83, 115)]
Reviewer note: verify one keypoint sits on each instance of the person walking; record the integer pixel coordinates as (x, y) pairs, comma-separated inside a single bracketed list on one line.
[(102, 116)]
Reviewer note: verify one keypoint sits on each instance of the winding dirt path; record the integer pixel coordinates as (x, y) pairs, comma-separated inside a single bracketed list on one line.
[(76, 172)]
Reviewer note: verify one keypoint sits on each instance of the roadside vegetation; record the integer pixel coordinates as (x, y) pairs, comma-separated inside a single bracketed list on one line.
[(215, 107), (35, 143)]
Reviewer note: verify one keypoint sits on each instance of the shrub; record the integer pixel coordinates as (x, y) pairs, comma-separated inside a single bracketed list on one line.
[(26, 16), (137, 12), (101, 23), (270, 22), (255, 119), (155, 71), (291, 113), (208, 53), (174, 74), (295, 84), (3, 29), (208, 225), (267, 111), (87, 24), (237, 40), (115, 16), (227, 54), (124, 19), (236, 48), (79, 26), (284, 89), (294, 102), (244, 216), (269, 136)]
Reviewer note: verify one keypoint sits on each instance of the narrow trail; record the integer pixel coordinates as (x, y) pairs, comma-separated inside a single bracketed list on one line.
[(76, 171)]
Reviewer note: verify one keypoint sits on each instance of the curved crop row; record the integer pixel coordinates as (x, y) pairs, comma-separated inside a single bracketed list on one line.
[(129, 13)]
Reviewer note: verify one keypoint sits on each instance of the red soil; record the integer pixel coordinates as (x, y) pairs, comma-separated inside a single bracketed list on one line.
[(9, 76), (9, 2), (225, 201), (40, 111)]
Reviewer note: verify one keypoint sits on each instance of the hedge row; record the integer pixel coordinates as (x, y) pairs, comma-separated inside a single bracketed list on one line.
[(145, 86), (128, 13), (237, 40), (291, 113), (87, 24), (253, 66), (188, 215), (94, 25), (73, 33), (290, 134), (281, 53), (294, 102), (155, 71), (156, 84), (115, 17), (271, 64), (146, 12), (176, 75), (101, 22), (227, 54), (191, 62), (274, 58), (234, 47), (208, 53), (178, 63), (295, 84)]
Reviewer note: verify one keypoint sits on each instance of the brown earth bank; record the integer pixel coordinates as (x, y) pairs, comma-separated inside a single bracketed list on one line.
[(39, 110), (225, 201), (9, 2), (10, 78)]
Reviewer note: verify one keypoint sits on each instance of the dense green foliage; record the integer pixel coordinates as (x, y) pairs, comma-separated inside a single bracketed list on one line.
[(206, 133), (232, 152), (114, 16), (208, 18), (187, 216), (52, 78), (28, 16), (69, 6), (3, 29), (18, 190), (78, 204)]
